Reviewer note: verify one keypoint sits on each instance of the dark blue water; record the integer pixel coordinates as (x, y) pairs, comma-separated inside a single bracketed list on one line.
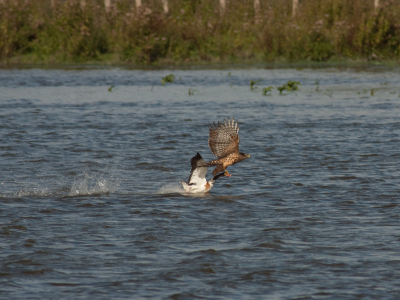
[(91, 205)]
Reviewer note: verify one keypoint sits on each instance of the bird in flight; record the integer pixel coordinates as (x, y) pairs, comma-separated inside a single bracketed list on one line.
[(197, 182), (224, 144)]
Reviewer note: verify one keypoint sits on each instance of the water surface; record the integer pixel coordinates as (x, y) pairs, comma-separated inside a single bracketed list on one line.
[(91, 205)]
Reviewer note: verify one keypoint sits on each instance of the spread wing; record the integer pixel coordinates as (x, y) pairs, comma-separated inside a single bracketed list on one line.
[(224, 138), (197, 174)]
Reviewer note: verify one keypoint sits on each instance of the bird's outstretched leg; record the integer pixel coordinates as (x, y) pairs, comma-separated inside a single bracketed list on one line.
[(218, 176), (227, 174)]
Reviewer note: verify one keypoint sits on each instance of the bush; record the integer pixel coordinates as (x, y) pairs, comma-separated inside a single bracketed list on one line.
[(196, 31)]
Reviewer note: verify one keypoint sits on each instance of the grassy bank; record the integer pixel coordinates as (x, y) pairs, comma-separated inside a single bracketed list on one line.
[(194, 31)]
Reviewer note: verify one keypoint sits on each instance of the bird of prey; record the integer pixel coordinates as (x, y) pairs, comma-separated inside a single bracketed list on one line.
[(224, 144), (197, 182)]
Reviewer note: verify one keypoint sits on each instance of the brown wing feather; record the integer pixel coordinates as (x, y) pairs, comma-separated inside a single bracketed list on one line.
[(215, 162), (224, 138)]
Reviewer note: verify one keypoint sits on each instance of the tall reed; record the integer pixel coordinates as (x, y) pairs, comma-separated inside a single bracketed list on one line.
[(196, 31)]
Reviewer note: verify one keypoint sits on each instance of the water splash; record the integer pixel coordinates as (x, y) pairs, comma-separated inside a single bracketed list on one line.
[(85, 184), (93, 185), (11, 189), (35, 192), (171, 188)]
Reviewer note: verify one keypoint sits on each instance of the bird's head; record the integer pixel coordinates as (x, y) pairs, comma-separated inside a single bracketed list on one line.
[(245, 155)]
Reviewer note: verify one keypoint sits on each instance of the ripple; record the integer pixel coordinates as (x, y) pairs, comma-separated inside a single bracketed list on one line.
[(91, 204)]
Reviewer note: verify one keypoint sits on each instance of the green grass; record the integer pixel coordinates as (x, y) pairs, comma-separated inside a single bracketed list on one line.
[(194, 31), (192, 91)]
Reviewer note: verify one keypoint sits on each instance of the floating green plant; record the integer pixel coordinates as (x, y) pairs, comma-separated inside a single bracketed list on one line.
[(293, 85), (110, 88), (289, 86), (281, 88), (266, 91), (168, 78), (253, 83), (372, 92)]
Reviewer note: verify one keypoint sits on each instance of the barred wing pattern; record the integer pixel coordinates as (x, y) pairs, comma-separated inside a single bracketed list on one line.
[(224, 138)]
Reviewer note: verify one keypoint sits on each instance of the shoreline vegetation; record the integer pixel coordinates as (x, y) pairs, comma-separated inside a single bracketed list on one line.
[(196, 32)]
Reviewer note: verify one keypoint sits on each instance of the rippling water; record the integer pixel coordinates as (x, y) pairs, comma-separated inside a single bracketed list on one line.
[(91, 205)]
